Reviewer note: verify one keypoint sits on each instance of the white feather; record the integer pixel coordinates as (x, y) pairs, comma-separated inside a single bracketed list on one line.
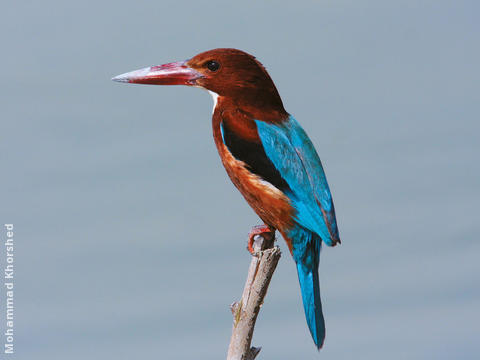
[(215, 99)]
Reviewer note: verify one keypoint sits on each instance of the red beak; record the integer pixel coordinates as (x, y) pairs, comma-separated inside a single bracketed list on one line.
[(176, 73)]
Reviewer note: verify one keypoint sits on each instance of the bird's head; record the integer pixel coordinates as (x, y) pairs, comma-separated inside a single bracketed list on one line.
[(230, 73)]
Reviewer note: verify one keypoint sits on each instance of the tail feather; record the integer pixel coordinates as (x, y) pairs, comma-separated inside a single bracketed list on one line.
[(312, 304), (306, 247)]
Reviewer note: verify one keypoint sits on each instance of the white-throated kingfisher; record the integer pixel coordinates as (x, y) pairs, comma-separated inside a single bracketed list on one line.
[(268, 157)]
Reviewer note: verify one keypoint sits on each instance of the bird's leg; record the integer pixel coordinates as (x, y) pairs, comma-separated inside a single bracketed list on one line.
[(267, 232)]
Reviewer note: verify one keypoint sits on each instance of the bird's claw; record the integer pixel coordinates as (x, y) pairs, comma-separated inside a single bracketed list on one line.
[(258, 230)]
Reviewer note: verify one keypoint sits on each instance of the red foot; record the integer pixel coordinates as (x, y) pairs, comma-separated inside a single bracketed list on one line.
[(258, 230)]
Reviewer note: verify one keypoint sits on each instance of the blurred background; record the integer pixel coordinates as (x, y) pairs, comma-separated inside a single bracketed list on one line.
[(129, 237)]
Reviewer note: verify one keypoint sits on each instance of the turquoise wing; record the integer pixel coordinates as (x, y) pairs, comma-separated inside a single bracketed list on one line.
[(290, 150)]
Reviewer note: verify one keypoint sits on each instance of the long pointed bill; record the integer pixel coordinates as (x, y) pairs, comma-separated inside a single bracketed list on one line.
[(176, 73)]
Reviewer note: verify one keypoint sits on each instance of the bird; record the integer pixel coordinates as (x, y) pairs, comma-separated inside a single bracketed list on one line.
[(267, 155)]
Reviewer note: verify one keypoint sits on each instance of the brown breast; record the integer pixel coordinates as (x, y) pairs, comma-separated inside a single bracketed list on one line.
[(270, 204)]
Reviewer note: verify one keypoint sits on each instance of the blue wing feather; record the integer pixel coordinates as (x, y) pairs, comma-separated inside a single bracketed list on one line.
[(293, 154)]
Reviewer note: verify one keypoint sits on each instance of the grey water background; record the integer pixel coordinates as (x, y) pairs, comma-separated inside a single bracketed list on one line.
[(130, 240)]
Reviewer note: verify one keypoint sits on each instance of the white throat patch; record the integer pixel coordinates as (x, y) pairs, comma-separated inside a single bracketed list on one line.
[(215, 98)]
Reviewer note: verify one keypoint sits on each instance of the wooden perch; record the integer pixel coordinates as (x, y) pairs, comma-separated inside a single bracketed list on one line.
[(245, 312)]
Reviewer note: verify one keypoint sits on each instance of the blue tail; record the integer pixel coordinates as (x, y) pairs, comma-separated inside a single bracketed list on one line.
[(306, 247), (312, 304)]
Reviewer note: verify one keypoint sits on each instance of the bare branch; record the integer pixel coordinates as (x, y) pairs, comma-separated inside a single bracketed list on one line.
[(245, 312)]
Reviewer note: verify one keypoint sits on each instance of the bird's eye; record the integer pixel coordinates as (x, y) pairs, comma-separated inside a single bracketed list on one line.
[(212, 65)]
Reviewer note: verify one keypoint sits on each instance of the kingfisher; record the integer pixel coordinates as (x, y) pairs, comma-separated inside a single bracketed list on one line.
[(268, 157)]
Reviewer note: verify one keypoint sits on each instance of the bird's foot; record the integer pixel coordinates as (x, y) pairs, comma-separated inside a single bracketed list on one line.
[(264, 231)]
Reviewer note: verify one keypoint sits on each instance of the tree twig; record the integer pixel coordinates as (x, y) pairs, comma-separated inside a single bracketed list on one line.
[(245, 312)]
